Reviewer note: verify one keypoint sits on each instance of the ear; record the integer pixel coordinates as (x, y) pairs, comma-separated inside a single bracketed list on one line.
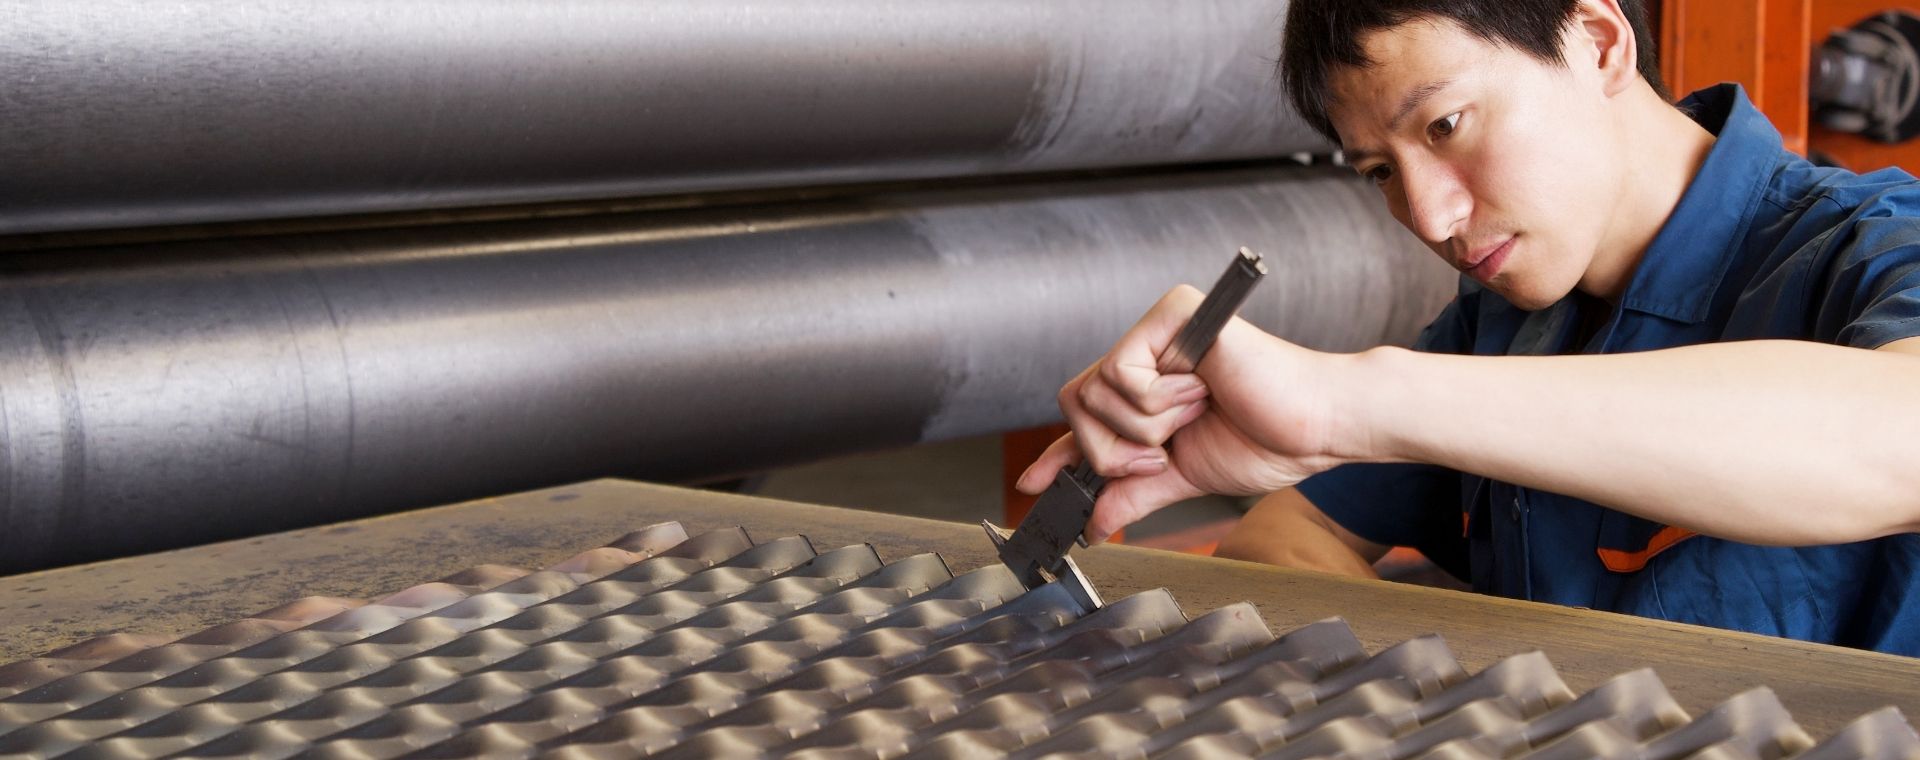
[(1601, 40)]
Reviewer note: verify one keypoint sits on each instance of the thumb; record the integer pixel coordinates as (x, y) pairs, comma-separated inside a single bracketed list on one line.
[(1128, 499)]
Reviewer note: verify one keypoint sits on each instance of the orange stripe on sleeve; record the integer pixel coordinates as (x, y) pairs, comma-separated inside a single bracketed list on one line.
[(1622, 561)]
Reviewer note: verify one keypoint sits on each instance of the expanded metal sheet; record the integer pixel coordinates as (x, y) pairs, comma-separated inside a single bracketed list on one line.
[(663, 645)]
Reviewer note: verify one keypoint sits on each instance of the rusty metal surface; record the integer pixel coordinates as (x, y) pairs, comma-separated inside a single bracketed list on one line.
[(179, 592)]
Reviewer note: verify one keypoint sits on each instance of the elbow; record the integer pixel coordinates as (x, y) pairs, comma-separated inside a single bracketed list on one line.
[(1865, 505), (1871, 521), (1900, 512)]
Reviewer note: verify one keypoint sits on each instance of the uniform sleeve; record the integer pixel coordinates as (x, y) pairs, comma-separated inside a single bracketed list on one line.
[(1391, 504), (1872, 282), (1401, 504)]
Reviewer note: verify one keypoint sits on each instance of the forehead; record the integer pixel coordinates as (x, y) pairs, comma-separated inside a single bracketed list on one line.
[(1416, 53)]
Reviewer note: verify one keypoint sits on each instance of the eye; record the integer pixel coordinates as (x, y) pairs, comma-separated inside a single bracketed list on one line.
[(1444, 125), (1378, 173)]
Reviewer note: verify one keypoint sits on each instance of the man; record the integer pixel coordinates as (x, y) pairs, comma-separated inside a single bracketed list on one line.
[(1680, 379)]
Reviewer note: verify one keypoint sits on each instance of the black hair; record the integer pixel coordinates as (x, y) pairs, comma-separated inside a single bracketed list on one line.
[(1323, 35)]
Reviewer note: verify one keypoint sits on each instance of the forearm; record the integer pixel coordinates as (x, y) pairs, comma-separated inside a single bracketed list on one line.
[(1286, 529), (1775, 442)]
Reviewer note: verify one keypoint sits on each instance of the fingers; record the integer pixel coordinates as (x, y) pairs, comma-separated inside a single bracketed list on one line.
[(1143, 388), (1066, 452), (1121, 409), (1162, 322), (1111, 454), (1130, 421), (1039, 475), (1128, 500), (1133, 367), (1124, 501)]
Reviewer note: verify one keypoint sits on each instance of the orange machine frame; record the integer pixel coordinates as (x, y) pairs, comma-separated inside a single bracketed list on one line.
[(1767, 46)]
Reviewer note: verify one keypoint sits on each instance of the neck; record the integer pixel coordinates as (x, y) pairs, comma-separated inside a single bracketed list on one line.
[(1663, 150)]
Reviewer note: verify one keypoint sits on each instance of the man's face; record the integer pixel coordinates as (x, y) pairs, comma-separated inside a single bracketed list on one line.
[(1505, 165)]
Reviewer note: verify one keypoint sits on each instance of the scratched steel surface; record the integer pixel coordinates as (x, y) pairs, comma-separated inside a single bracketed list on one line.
[(666, 645)]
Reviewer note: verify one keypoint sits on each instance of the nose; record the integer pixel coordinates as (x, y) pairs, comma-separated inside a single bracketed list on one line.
[(1435, 203)]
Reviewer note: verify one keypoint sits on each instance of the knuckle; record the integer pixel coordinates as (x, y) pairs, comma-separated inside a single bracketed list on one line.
[(1141, 432), (1108, 459), (1159, 432)]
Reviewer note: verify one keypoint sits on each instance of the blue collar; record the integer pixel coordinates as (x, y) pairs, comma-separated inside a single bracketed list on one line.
[(1682, 268)]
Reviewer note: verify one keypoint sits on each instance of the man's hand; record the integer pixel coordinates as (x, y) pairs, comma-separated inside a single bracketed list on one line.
[(1253, 418), (1731, 440)]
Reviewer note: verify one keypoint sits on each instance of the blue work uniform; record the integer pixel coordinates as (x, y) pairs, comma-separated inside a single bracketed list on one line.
[(1763, 245)]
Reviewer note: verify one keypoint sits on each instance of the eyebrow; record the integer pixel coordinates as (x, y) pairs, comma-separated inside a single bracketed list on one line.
[(1413, 100)]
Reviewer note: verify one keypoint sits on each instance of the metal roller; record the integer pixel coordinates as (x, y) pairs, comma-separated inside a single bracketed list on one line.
[(173, 393), (120, 113)]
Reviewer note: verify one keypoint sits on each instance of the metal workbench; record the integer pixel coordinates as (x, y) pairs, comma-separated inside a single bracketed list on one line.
[(183, 591)]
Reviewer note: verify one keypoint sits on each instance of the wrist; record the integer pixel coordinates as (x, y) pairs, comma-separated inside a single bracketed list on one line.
[(1362, 392)]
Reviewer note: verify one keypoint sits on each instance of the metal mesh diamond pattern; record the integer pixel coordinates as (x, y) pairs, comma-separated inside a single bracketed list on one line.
[(672, 646)]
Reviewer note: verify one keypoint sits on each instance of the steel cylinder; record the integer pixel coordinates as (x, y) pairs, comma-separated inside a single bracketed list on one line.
[(123, 113), (163, 394)]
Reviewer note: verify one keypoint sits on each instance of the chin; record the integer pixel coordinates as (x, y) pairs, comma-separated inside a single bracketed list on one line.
[(1527, 298)]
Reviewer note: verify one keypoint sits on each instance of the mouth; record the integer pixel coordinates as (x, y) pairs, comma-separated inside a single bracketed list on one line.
[(1483, 264)]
